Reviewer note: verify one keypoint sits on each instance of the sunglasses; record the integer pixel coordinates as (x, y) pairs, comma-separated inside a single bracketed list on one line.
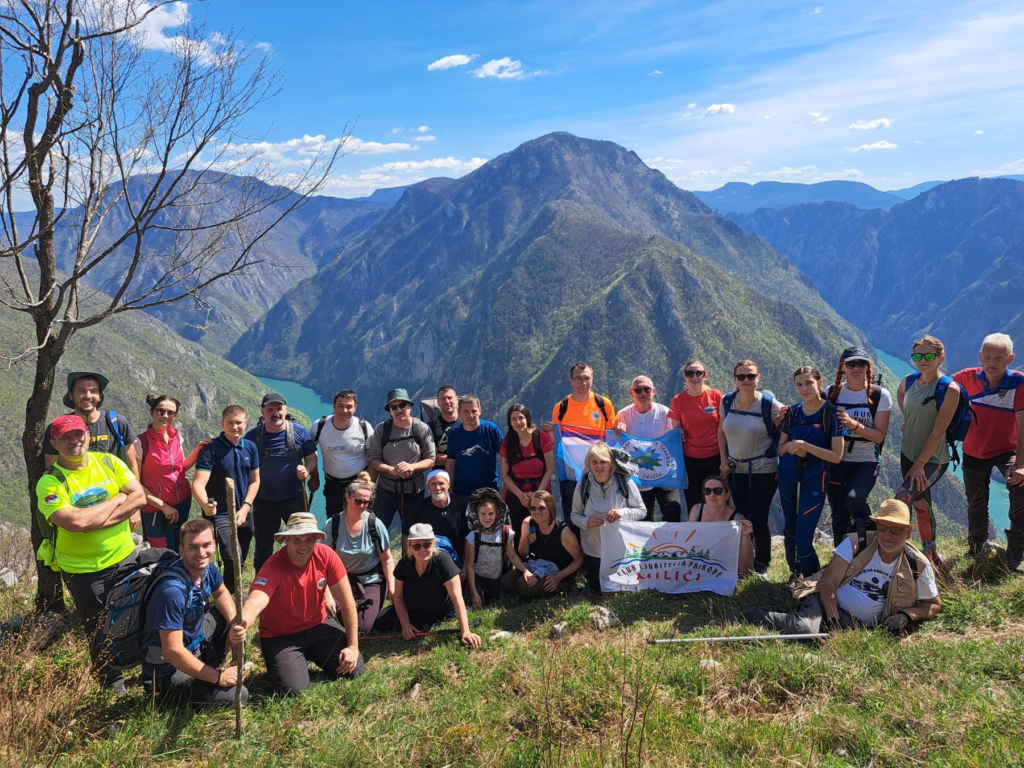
[(541, 508), (929, 356), (399, 406), (894, 530), (745, 376), (643, 390), (362, 502), (856, 364), (694, 374), (714, 491), (165, 412), (417, 546)]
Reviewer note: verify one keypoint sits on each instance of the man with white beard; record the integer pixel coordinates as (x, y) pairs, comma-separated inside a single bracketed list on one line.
[(442, 511)]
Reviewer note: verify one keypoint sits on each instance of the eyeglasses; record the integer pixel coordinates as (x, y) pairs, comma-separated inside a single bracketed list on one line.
[(165, 412), (854, 364), (694, 374), (643, 390), (929, 356), (362, 502), (745, 376), (399, 406), (417, 546), (714, 491), (894, 530)]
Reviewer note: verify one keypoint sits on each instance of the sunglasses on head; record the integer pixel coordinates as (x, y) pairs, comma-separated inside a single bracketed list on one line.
[(643, 390), (417, 546), (714, 491), (745, 376), (694, 374), (929, 356), (399, 406), (165, 412)]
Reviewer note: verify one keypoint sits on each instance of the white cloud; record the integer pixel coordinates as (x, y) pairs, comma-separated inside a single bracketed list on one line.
[(786, 172), (423, 129), (395, 131), (655, 73), (816, 11), (505, 68), (449, 62), (1016, 168), (873, 125), (719, 109), (877, 145), (818, 118), (692, 105), (846, 173), (978, 133), (438, 163), (297, 151), (423, 138)]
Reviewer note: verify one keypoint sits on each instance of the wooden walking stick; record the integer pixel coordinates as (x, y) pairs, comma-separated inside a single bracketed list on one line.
[(236, 565)]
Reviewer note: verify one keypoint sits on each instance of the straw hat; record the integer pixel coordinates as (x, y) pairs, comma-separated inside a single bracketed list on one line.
[(300, 524), (894, 512)]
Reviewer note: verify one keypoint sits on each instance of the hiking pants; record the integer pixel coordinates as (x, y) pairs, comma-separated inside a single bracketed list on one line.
[(848, 490), (334, 493), (697, 470), (668, 502), (977, 473), (158, 531), (288, 656), (592, 568), (369, 600), (753, 494), (390, 502), (566, 490), (488, 589), (920, 503), (800, 518), (514, 583), (805, 621), (180, 688), (222, 533), (268, 517), (89, 593)]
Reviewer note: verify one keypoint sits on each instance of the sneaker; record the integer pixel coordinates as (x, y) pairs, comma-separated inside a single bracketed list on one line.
[(1015, 560), (761, 569)]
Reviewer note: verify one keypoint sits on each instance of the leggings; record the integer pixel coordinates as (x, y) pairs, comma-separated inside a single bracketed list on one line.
[(801, 518), (848, 491), (369, 600), (921, 503), (697, 470), (753, 494)]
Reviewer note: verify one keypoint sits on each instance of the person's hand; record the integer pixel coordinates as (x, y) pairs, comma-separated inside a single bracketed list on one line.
[(170, 513), (403, 469), (725, 468), (917, 478), (1015, 476), (470, 640), (209, 508), (746, 527), (529, 578), (330, 604), (202, 444), (619, 429), (898, 624), (475, 600), (548, 426), (236, 635), (796, 447), (135, 521), (595, 522), (243, 513), (347, 660), (228, 677), (524, 497), (682, 434), (845, 419), (551, 582), (408, 632), (783, 411), (301, 472), (613, 515)]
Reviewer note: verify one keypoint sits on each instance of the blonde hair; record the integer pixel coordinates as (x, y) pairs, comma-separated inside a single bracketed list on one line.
[(704, 382), (930, 341), (601, 451)]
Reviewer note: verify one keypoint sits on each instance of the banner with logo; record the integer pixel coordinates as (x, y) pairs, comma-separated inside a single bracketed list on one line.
[(659, 460), (670, 557)]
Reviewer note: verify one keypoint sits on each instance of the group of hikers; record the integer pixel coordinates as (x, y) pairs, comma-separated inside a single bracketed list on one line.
[(476, 516)]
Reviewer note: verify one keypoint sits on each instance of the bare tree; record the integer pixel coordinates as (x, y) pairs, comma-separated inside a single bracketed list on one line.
[(143, 187)]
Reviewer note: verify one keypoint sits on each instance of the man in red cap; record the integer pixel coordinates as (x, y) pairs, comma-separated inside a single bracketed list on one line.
[(87, 499)]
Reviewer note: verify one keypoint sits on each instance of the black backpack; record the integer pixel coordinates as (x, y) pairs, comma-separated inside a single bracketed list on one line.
[(478, 542), (415, 434), (319, 424), (563, 406), (371, 520), (828, 417), (874, 398)]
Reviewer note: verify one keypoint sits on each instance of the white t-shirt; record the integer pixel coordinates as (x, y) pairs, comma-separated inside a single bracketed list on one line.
[(856, 404), (489, 558), (654, 423), (864, 596), (344, 450), (746, 436)]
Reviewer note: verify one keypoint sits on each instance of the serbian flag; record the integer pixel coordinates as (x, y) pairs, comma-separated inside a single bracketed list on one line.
[(571, 446)]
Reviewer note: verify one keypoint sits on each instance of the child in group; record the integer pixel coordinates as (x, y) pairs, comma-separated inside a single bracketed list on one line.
[(490, 551)]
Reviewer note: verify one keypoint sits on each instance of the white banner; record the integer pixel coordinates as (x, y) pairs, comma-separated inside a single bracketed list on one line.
[(670, 557)]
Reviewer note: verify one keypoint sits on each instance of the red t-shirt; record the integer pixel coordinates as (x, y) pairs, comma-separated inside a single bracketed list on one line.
[(296, 594), (530, 466), (699, 419), (994, 431)]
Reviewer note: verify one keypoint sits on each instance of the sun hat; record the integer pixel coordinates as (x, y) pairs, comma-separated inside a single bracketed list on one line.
[(855, 353), (421, 532), (893, 511), (74, 376), (300, 524), (397, 394), (68, 423)]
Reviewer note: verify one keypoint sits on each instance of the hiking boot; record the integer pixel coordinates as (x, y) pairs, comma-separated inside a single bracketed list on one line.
[(977, 550), (761, 569), (1015, 560)]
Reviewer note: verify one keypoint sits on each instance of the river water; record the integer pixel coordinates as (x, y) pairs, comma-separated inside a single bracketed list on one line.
[(998, 498)]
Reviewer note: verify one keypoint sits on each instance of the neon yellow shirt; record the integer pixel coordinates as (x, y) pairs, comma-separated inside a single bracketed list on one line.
[(103, 477)]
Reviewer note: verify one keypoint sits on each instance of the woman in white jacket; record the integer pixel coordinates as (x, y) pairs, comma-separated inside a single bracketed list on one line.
[(606, 494)]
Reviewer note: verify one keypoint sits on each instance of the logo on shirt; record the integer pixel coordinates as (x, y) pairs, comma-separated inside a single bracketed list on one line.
[(89, 498), (51, 499), (595, 415), (260, 581), (322, 583), (473, 449), (709, 409)]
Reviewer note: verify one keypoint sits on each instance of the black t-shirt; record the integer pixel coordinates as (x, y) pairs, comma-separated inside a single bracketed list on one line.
[(426, 594), (440, 428), (449, 522), (101, 438)]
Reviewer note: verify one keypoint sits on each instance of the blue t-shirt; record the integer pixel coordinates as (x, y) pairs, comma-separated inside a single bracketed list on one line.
[(222, 459), (810, 430), (476, 456), (177, 604), (277, 464)]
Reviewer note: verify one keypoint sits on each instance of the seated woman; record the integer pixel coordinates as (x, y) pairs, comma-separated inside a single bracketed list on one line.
[(361, 540), (717, 508), (427, 590), (606, 494), (552, 553)]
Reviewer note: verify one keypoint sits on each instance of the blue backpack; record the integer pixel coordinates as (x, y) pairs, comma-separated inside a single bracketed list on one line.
[(963, 416), (445, 546)]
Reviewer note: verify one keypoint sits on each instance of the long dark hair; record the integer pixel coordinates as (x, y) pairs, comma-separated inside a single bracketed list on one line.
[(513, 450)]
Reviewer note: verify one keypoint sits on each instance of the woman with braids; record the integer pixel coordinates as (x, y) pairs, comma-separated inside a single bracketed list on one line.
[(527, 463), (695, 412), (811, 441), (924, 454), (162, 468), (747, 425), (864, 408)]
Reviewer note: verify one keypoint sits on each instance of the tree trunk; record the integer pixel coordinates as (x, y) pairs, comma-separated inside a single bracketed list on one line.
[(50, 591)]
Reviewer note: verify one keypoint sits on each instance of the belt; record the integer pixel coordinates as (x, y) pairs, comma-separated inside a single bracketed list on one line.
[(341, 479)]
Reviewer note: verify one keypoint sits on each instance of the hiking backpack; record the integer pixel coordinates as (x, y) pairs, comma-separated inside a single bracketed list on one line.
[(371, 521), (128, 591), (389, 425), (874, 398), (563, 406), (319, 424), (828, 417), (478, 542), (114, 427), (289, 437), (767, 399), (963, 416), (444, 544)]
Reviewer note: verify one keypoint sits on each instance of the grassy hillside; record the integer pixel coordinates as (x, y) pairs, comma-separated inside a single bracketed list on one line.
[(952, 694)]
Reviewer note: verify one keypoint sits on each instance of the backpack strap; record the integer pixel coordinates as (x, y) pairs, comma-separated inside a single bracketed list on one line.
[(335, 528), (600, 405), (289, 437), (318, 427), (259, 438), (144, 443), (364, 425), (727, 401), (584, 490), (371, 520), (563, 406), (915, 566), (767, 400), (700, 513), (114, 426)]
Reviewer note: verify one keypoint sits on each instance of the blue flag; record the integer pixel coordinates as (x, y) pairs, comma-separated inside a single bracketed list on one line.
[(660, 459)]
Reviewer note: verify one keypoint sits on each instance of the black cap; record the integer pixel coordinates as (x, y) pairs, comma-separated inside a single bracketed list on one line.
[(855, 353), (273, 397)]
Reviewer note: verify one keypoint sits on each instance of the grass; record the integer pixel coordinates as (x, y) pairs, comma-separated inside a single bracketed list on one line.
[(952, 693)]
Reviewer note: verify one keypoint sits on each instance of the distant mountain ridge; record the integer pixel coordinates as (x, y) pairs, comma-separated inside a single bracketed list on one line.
[(740, 197)]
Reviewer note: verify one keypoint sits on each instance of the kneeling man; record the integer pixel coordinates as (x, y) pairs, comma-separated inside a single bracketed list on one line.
[(288, 596), (888, 582)]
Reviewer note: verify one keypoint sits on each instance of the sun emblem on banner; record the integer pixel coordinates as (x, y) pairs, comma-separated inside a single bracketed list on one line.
[(652, 457)]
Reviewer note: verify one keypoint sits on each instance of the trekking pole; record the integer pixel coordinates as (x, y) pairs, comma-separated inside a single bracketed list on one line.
[(236, 563), (738, 638)]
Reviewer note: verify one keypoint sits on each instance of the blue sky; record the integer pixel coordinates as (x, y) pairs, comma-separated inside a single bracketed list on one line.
[(889, 93)]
